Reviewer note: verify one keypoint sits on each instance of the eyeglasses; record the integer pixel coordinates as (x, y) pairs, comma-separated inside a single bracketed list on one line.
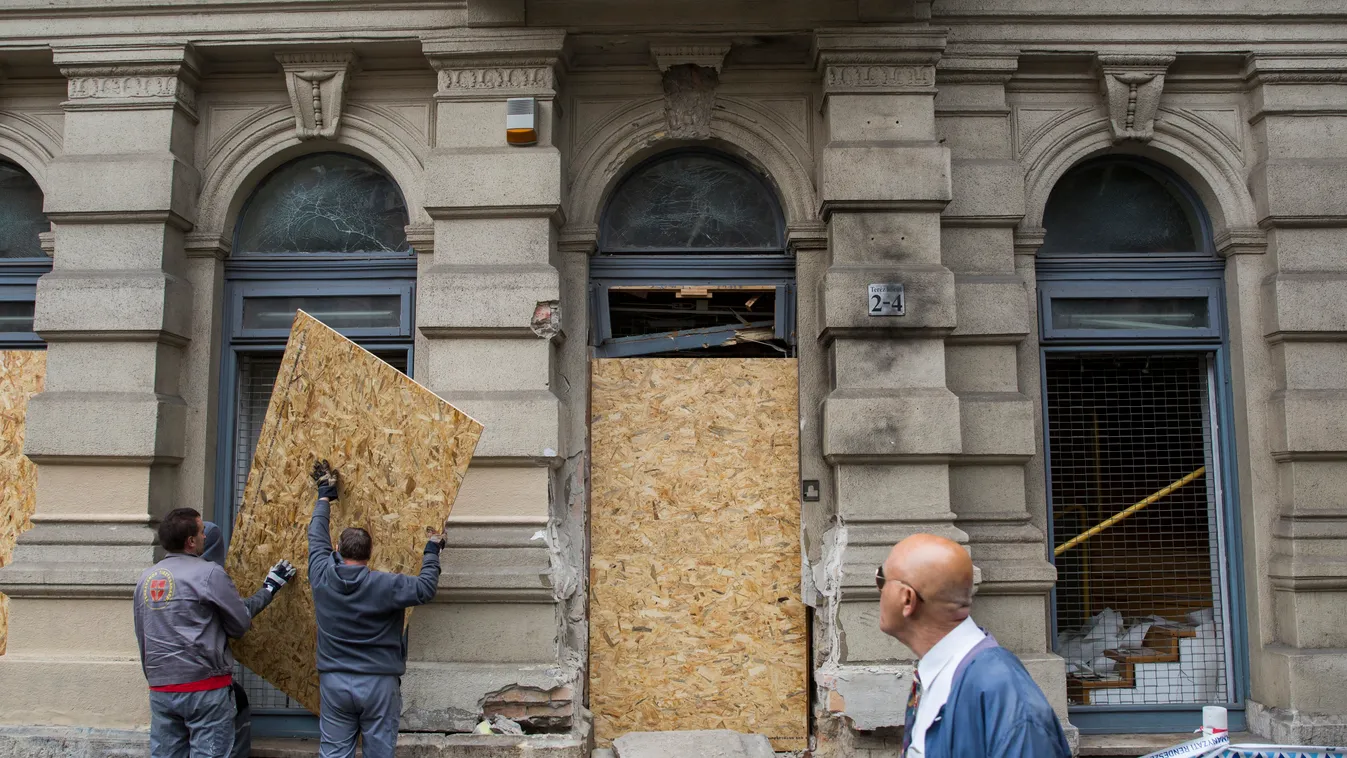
[(880, 579)]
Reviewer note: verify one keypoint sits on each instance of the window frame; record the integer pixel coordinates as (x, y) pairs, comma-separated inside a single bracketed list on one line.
[(663, 272), (1073, 275), (18, 280)]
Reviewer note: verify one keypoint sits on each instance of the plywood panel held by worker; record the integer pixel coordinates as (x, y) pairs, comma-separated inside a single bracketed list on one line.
[(21, 376), (402, 453), (695, 614)]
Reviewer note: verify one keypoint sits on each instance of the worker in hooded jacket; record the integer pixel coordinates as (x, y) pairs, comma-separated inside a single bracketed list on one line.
[(185, 610), (362, 646)]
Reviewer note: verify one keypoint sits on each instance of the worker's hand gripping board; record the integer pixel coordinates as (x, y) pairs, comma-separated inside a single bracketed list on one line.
[(401, 452)]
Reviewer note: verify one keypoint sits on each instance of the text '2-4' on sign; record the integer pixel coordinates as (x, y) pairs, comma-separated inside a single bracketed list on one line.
[(886, 300)]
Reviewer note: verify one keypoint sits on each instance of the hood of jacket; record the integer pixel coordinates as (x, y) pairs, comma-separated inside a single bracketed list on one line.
[(348, 577)]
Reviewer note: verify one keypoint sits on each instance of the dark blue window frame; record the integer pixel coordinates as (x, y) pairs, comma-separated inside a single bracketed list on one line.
[(1197, 273), (18, 284), (317, 274)]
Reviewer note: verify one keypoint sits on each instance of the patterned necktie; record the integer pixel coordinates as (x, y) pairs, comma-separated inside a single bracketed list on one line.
[(910, 716)]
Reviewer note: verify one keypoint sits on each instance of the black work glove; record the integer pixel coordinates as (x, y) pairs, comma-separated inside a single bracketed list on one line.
[(326, 479), (280, 574), (436, 542)]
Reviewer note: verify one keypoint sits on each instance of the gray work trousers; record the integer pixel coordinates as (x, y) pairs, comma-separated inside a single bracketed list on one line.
[(243, 723), (368, 704), (192, 724)]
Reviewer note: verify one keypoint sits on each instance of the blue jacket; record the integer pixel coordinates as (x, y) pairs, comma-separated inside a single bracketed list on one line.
[(995, 710), (360, 612)]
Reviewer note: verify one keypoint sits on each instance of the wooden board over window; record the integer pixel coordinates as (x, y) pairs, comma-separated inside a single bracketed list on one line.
[(22, 373), (401, 452), (695, 616)]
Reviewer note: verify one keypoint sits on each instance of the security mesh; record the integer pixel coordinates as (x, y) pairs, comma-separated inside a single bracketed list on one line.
[(257, 377), (1138, 604)]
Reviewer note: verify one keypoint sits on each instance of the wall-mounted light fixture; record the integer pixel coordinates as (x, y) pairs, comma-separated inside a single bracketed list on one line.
[(521, 117)]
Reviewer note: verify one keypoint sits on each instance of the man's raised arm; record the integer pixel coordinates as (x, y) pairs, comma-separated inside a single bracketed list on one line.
[(320, 530)]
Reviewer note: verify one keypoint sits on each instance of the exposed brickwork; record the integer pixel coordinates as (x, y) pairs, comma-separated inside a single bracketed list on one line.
[(535, 709)]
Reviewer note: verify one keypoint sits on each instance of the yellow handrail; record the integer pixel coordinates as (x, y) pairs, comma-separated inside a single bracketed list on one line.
[(1111, 520)]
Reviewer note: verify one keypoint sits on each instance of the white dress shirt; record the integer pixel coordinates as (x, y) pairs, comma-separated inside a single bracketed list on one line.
[(936, 670)]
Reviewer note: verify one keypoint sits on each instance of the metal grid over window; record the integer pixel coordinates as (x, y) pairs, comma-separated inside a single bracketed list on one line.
[(1140, 610), (257, 376)]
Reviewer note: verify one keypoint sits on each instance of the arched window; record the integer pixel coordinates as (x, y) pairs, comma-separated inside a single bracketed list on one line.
[(21, 258), (1136, 433), (326, 234), (1121, 206), (21, 218), (324, 203), (692, 202), (692, 261)]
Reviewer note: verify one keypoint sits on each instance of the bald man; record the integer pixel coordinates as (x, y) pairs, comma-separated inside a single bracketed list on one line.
[(970, 698)]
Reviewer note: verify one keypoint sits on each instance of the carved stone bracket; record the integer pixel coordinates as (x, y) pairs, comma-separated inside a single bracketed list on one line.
[(689, 100), (705, 56), (1131, 85), (317, 85)]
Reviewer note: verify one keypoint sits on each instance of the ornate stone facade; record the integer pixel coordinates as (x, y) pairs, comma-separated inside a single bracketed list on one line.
[(908, 142)]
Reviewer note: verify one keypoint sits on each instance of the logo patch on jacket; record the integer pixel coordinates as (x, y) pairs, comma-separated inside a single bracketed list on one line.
[(158, 589)]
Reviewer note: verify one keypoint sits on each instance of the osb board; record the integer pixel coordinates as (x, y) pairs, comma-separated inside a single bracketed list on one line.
[(21, 376), (694, 612), (401, 452)]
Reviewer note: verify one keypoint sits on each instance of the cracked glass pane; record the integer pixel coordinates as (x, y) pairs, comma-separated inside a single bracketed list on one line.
[(21, 218), (692, 202), (325, 203), (1119, 208)]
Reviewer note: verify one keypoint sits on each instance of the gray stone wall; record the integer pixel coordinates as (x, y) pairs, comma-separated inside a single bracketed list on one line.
[(919, 152)]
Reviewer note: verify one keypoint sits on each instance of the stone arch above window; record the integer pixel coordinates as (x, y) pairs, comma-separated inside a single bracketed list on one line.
[(1123, 206), (324, 203), (21, 217), (695, 202)]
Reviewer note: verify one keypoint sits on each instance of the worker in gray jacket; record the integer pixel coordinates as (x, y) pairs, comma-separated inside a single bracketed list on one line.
[(185, 610), (243, 712), (362, 648)]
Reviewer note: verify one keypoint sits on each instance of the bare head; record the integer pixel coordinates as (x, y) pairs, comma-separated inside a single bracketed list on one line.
[(182, 531), (925, 590), (355, 546)]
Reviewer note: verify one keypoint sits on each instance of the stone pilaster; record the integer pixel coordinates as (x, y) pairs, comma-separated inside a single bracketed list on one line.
[(995, 379), (487, 291), (108, 432), (1300, 189), (891, 424)]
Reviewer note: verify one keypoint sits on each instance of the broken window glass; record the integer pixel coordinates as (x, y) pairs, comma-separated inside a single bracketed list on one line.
[(692, 202), (325, 203), (21, 218)]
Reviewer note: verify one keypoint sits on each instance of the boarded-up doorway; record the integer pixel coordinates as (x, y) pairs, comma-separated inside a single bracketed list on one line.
[(694, 608)]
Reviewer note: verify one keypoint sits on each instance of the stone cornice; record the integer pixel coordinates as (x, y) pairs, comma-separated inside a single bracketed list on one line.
[(977, 69), (422, 238), (878, 60), (1296, 69), (206, 245), (131, 78), (1241, 242), (492, 64), (704, 53)]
